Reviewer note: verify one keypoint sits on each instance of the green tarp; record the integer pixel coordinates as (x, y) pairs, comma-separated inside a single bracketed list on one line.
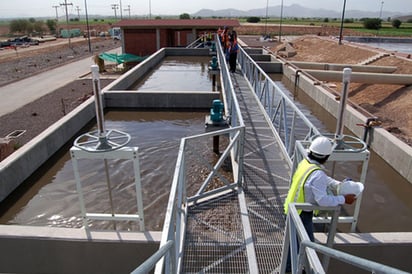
[(120, 58)]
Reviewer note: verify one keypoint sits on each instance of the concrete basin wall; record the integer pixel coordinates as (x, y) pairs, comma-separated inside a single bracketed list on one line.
[(395, 152), (25, 249), (391, 249), (160, 99), (22, 163)]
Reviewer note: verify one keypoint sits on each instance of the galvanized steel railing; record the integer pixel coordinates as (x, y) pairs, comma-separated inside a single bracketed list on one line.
[(306, 256), (282, 111), (170, 254)]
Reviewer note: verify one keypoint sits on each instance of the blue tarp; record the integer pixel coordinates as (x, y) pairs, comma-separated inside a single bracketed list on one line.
[(121, 58)]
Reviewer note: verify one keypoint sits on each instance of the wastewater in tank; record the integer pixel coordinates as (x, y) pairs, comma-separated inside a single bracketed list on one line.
[(52, 199), (386, 205), (185, 73)]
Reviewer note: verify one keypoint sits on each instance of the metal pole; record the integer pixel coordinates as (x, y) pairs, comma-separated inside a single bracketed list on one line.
[(57, 15), (266, 23), (121, 13), (87, 26), (280, 23), (341, 22), (98, 100), (65, 4), (344, 97), (101, 129)]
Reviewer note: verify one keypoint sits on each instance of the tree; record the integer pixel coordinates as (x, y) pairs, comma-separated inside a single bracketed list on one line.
[(19, 26), (372, 23), (184, 16), (253, 19), (38, 26), (396, 23), (51, 24)]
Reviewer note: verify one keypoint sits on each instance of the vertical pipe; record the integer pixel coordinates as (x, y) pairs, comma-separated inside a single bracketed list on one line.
[(341, 23), (98, 100), (344, 97)]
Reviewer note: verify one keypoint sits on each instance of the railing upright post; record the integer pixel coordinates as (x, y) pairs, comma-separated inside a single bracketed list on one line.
[(331, 236)]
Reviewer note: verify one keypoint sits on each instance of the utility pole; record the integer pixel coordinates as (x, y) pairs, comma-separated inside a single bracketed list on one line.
[(115, 7), (128, 9), (87, 25), (280, 23), (78, 12), (341, 23), (121, 13), (65, 4), (57, 15), (150, 9)]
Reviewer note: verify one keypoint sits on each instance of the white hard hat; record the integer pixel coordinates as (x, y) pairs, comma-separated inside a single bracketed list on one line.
[(321, 146)]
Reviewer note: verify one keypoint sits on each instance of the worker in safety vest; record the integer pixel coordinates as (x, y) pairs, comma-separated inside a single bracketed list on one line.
[(232, 51), (310, 184)]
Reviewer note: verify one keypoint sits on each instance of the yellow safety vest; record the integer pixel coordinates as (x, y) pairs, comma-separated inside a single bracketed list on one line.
[(296, 192)]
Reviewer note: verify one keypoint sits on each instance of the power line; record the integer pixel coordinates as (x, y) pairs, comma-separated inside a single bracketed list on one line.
[(57, 15), (78, 12), (128, 9), (115, 7), (65, 4)]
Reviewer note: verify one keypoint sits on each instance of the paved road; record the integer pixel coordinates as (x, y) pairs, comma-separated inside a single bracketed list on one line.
[(18, 94)]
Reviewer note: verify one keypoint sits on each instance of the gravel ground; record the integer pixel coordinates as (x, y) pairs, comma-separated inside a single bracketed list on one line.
[(27, 62), (34, 117)]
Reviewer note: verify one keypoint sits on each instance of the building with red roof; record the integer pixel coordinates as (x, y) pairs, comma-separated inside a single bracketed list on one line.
[(146, 36)]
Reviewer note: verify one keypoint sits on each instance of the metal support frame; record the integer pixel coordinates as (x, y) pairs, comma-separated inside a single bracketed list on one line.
[(126, 153), (360, 154), (282, 113), (176, 215)]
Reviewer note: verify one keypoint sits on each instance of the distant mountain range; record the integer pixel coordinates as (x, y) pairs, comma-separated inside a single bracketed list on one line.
[(296, 10)]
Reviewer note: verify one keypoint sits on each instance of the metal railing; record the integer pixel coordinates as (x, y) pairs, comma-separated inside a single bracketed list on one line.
[(283, 113), (169, 257), (306, 256)]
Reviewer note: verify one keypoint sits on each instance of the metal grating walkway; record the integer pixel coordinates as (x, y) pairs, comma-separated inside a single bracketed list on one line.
[(218, 245)]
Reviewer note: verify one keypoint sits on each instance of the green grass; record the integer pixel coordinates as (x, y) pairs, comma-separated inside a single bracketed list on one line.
[(405, 29)]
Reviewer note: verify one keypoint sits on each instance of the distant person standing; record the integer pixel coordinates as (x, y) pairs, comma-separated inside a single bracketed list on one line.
[(232, 51)]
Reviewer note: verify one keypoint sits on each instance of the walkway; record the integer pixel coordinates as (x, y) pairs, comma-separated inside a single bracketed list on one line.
[(18, 94), (250, 238)]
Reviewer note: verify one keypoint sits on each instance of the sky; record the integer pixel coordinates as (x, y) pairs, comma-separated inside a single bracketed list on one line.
[(44, 8)]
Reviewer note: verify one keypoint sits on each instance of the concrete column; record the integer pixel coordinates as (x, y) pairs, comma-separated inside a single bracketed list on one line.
[(157, 39)]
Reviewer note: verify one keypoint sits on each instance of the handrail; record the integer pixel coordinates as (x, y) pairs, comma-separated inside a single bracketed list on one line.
[(366, 264), (280, 108), (306, 256), (176, 213), (151, 262)]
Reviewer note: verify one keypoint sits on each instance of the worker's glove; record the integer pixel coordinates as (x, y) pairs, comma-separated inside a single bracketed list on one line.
[(350, 198)]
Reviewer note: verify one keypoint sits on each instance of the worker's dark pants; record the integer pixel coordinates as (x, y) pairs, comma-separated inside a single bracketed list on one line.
[(232, 61), (306, 217)]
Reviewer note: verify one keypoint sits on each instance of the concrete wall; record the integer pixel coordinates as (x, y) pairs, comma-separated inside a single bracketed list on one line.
[(140, 42), (396, 153), (21, 164), (65, 250), (137, 72), (391, 249), (160, 99)]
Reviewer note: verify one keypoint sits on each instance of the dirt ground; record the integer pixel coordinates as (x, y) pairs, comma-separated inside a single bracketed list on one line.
[(392, 104)]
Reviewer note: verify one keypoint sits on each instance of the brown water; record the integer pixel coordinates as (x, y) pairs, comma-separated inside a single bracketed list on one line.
[(190, 72), (386, 202), (50, 196)]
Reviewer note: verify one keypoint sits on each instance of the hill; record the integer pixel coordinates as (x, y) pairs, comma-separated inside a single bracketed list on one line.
[(295, 10)]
